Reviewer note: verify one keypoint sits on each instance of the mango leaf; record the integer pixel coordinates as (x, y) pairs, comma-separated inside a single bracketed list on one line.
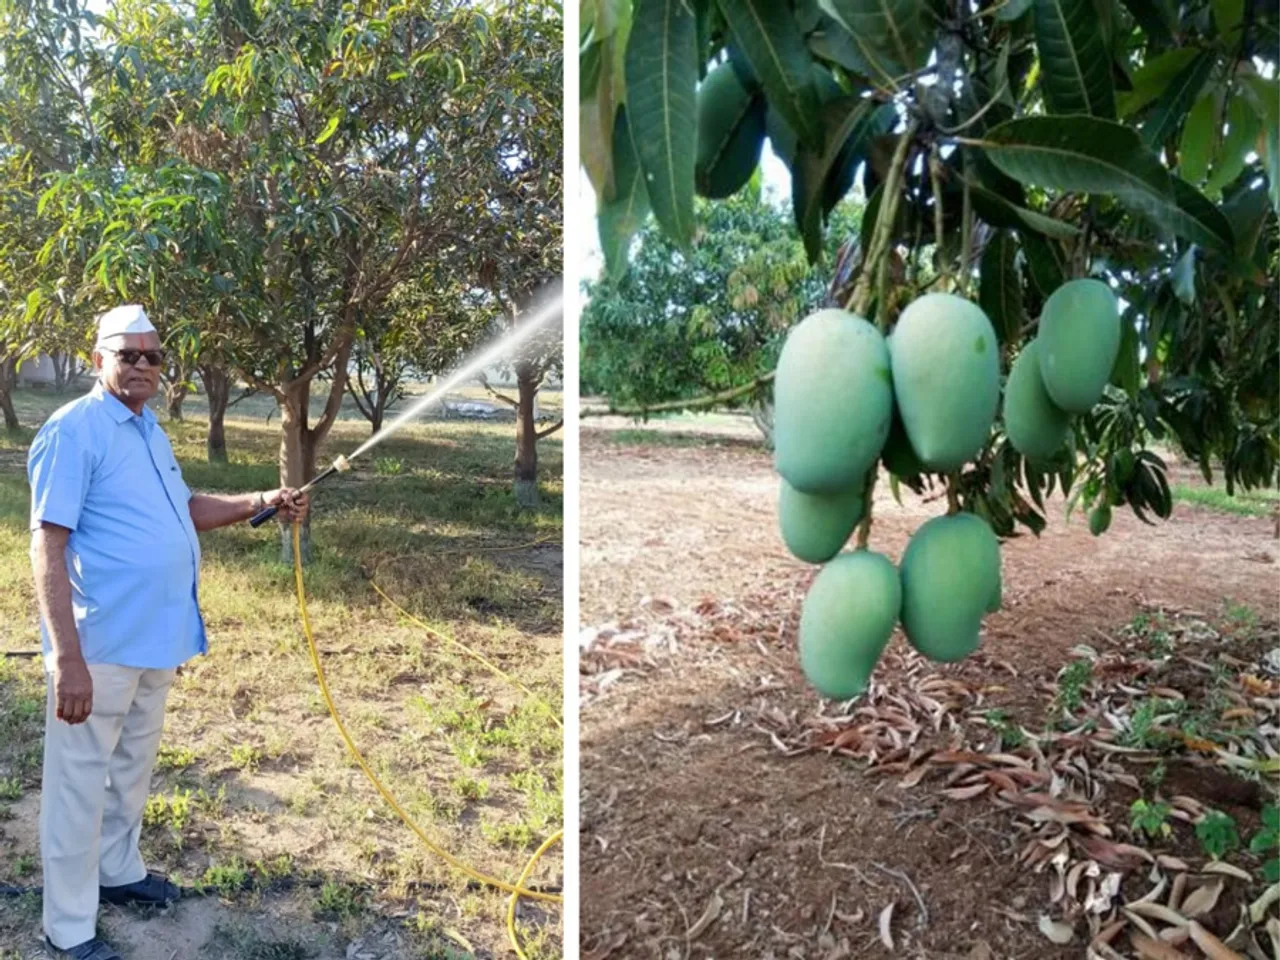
[(1246, 209), (1156, 17), (1195, 149), (1045, 262), (850, 123), (1075, 66), (1127, 372), (1242, 134), (330, 129), (1265, 95), (1176, 100), (1089, 155), (830, 41), (1000, 289), (620, 218), (766, 33), (662, 75), (1152, 79), (1012, 10), (1000, 212), (892, 35), (1227, 15), (1184, 276)]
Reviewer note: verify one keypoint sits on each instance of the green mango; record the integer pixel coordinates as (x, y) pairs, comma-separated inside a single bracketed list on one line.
[(946, 378), (1036, 427), (816, 525), (950, 578), (846, 621), (1079, 341), (832, 402), (730, 133)]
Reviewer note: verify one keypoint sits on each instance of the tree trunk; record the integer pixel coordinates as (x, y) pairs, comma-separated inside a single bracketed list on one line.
[(217, 389), (8, 379), (174, 394), (63, 368), (762, 416), (526, 478)]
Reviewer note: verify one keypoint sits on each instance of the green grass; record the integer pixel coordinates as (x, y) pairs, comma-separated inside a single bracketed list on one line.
[(1253, 503), (252, 769)]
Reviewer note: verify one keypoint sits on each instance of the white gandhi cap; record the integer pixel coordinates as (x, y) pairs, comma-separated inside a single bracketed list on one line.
[(120, 321)]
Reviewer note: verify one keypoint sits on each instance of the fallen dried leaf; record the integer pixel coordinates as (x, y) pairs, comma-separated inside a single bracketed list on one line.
[(1179, 888), (714, 906), (1107, 933), (1175, 936), (886, 919), (1258, 908), (1057, 931), (1202, 900), (1213, 948), (1226, 869), (1171, 863), (1141, 924), (967, 793), (1155, 949), (1158, 911)]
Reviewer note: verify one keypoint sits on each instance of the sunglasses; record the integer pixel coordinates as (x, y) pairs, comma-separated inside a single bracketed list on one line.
[(131, 357)]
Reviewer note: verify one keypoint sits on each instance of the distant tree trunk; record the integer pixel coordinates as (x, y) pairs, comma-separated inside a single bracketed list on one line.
[(762, 417), (373, 396), (64, 370), (300, 442), (528, 379), (175, 391), (217, 388), (8, 379)]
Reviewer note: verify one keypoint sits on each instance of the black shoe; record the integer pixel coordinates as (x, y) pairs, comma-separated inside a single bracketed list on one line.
[(153, 890), (94, 949)]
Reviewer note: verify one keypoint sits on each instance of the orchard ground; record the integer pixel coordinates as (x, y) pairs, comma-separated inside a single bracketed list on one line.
[(723, 811), (255, 795)]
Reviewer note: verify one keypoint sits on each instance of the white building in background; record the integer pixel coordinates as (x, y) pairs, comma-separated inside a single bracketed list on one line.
[(36, 372)]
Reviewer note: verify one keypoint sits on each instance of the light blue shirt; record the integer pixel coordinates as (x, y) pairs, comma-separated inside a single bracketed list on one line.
[(110, 477)]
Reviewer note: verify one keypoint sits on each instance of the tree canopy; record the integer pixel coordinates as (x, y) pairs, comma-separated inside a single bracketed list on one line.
[(1004, 146)]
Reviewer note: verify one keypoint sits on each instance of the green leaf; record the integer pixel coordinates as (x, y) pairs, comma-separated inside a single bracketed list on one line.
[(662, 76), (1089, 155), (1045, 262), (622, 217), (1266, 97), (1127, 370), (1195, 149), (1227, 15), (999, 212), (892, 35), (850, 124), (1151, 81), (1156, 18), (1246, 209), (1176, 100), (1000, 289), (1184, 276), (1242, 134), (330, 128), (1075, 66), (767, 35), (1012, 10)]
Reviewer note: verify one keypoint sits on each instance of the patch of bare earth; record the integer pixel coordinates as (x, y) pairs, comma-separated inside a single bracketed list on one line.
[(727, 811)]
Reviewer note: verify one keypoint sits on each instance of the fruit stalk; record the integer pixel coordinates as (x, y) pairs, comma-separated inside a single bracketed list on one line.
[(861, 298)]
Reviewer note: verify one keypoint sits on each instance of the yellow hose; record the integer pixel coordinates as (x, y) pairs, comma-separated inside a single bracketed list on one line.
[(517, 890)]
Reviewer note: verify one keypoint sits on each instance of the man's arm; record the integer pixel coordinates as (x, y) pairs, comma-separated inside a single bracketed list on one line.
[(209, 511), (72, 684)]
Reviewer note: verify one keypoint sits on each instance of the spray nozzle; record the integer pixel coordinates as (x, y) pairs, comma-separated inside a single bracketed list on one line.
[(340, 465)]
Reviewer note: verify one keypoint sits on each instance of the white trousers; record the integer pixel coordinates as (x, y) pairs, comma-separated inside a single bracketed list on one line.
[(97, 775)]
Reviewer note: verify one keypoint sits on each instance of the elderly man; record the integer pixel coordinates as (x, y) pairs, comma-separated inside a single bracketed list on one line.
[(116, 561)]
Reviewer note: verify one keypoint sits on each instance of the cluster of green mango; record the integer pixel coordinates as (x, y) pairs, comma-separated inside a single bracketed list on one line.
[(921, 400)]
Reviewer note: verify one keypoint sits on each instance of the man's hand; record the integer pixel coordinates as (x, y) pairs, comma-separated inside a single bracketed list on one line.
[(72, 690), (292, 504)]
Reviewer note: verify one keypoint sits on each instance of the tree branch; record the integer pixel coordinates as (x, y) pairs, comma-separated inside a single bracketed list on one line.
[(548, 431), (708, 400), (484, 382)]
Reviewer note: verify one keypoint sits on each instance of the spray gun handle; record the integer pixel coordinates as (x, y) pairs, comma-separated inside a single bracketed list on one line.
[(262, 516)]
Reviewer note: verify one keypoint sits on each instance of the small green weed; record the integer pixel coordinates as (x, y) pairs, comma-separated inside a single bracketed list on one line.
[(228, 878), (246, 757), (24, 866), (1150, 818), (388, 466), (10, 788), (1217, 834), (1143, 730), (1071, 683), (1242, 617), (1007, 729), (470, 788), (1266, 843), (174, 758), (339, 901), (173, 811), (516, 835)]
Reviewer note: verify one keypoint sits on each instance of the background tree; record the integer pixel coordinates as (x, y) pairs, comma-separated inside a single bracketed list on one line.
[(1004, 148), (681, 325)]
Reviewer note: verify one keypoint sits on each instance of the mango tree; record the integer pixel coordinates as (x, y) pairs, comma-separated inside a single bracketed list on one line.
[(1068, 254)]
